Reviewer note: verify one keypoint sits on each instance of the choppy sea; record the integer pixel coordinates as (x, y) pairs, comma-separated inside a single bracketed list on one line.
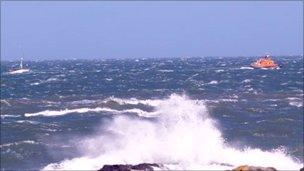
[(184, 113)]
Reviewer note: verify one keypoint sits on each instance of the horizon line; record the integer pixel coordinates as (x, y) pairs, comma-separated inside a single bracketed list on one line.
[(126, 58)]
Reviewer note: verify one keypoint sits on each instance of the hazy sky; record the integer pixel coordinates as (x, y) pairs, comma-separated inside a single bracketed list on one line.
[(79, 29)]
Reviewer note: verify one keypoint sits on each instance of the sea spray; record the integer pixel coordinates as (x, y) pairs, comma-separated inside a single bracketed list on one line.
[(182, 136)]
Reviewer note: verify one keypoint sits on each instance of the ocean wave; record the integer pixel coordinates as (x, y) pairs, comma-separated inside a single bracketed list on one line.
[(213, 82), (246, 81), (229, 100), (5, 103), (166, 70), (9, 116), (65, 111), (134, 101), (18, 143), (246, 67), (139, 112), (297, 104), (28, 121), (85, 101), (219, 70), (35, 83), (295, 101), (183, 136), (109, 79)]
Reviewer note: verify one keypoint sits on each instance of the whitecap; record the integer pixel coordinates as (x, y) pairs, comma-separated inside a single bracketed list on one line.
[(165, 70), (246, 81), (27, 121), (297, 104), (35, 83), (219, 70), (5, 102), (295, 101), (109, 79), (18, 143), (246, 67), (52, 79), (49, 113), (182, 137), (229, 100), (65, 111), (9, 116), (213, 82)]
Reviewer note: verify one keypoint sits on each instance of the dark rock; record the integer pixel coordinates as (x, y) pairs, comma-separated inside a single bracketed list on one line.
[(127, 167), (302, 169), (145, 166), (253, 168)]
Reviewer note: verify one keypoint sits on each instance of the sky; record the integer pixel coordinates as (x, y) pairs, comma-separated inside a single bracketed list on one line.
[(136, 29)]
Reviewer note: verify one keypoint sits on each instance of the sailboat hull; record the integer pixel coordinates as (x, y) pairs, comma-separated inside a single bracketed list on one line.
[(19, 71)]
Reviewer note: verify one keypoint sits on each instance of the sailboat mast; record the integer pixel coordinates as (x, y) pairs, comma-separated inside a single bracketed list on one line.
[(21, 66)]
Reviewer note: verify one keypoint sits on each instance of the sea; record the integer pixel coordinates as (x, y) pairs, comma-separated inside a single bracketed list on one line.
[(190, 113)]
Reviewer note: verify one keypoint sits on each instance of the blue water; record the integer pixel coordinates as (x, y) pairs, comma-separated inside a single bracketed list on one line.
[(256, 108)]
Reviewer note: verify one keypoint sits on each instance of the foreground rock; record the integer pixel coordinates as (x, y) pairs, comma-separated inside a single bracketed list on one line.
[(253, 168), (151, 166), (127, 167)]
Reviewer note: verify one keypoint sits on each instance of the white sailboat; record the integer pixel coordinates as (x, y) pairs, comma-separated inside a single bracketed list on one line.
[(20, 70)]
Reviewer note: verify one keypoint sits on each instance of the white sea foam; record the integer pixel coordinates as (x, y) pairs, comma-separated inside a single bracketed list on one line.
[(229, 100), (18, 143), (86, 110), (165, 70), (35, 83), (83, 102), (66, 111), (297, 104), (109, 79), (219, 70), (246, 81), (9, 116), (51, 79), (5, 102), (27, 121), (182, 137), (295, 101), (246, 68), (213, 82), (134, 101)]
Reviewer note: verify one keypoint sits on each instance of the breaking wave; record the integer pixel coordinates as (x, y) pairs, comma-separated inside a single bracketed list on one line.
[(182, 136), (86, 110), (246, 67), (18, 143), (294, 101)]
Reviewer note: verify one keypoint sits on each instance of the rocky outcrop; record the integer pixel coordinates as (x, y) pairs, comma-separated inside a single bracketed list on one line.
[(127, 167), (151, 166), (253, 168)]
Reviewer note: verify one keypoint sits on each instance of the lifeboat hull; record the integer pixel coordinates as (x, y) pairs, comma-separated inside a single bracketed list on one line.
[(258, 66)]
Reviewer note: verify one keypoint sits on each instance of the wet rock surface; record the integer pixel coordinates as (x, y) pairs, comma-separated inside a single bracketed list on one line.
[(127, 167), (253, 168), (151, 166)]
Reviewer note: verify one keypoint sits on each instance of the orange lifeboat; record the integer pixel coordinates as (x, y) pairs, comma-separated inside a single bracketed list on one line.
[(266, 63)]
